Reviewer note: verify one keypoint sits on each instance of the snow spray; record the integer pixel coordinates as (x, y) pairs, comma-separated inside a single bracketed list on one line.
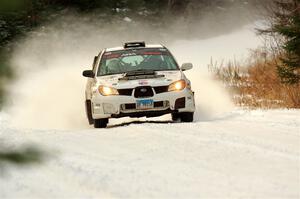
[(49, 91)]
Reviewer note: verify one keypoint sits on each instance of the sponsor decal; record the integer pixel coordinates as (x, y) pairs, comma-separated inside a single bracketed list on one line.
[(151, 53), (111, 56), (128, 54), (143, 82)]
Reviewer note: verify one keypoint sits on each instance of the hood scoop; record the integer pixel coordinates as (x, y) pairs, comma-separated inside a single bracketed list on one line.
[(140, 74)]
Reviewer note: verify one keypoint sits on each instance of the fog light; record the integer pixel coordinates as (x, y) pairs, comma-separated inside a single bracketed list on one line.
[(109, 108), (97, 108)]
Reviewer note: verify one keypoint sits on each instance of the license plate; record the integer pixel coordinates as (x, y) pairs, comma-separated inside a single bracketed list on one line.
[(144, 104)]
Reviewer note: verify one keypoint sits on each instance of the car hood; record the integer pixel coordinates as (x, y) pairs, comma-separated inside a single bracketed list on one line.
[(114, 80)]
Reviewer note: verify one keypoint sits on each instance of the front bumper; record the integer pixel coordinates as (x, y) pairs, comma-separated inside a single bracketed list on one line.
[(123, 106)]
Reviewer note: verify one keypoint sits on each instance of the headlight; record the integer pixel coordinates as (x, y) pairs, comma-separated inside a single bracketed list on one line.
[(106, 91), (177, 86)]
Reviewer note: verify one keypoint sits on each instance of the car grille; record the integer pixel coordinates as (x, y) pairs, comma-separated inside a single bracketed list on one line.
[(158, 104), (143, 91), (148, 92), (129, 106), (161, 89), (127, 92)]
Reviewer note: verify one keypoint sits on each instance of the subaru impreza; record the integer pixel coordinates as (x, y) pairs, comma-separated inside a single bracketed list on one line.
[(137, 80)]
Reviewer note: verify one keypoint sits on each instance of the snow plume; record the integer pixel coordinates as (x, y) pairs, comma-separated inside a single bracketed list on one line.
[(49, 91), (212, 99)]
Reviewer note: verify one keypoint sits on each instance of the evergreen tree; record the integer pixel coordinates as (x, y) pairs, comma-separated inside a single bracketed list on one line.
[(287, 24)]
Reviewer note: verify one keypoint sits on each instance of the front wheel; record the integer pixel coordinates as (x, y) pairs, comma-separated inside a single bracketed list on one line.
[(100, 123), (187, 116), (88, 110)]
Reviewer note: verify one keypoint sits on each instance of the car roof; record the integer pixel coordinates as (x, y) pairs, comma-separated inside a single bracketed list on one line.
[(122, 48)]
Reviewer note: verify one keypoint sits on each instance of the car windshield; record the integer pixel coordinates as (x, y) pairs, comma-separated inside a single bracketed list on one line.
[(117, 62)]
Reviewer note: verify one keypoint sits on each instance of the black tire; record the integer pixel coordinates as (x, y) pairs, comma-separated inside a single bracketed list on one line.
[(88, 110), (187, 117), (175, 116), (100, 123)]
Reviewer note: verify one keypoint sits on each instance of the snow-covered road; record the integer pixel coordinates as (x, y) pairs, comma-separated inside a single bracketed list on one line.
[(241, 154)]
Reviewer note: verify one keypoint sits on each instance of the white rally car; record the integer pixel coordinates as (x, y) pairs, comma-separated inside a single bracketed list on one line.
[(137, 80)]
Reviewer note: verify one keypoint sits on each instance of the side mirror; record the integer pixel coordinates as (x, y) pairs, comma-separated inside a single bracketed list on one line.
[(186, 66), (88, 73)]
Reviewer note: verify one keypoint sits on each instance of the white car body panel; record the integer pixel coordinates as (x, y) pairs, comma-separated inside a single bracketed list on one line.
[(113, 80)]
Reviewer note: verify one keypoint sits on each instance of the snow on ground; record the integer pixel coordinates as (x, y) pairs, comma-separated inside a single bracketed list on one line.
[(225, 153), (241, 154)]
